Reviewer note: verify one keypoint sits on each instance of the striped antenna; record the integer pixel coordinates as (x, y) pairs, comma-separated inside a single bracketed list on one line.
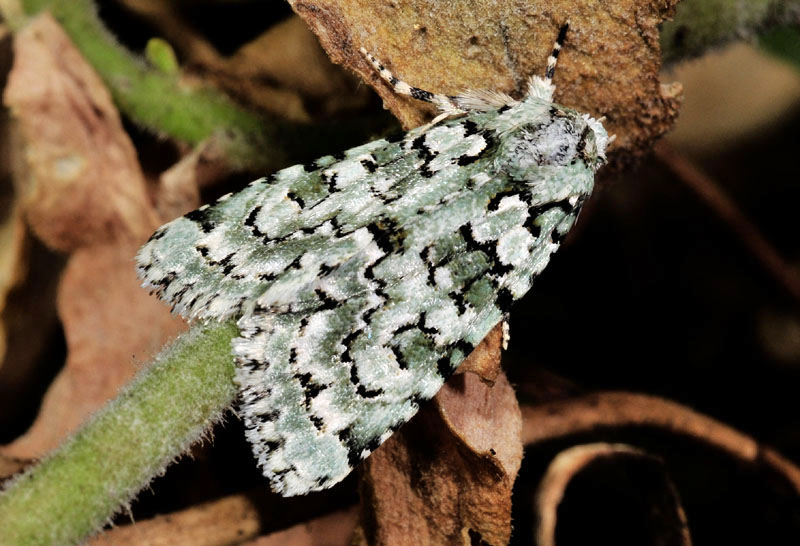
[(445, 103), (553, 59)]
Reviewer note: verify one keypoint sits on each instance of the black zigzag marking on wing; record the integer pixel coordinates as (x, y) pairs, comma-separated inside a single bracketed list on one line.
[(504, 299), (310, 388), (346, 357), (329, 177), (445, 364), (369, 163), (250, 222), (399, 357), (404, 328), (535, 212), (387, 234), (327, 302), (354, 450), (202, 217), (488, 148), (489, 248), (158, 234), (425, 154), (226, 263), (420, 325), (380, 284), (532, 228), (267, 416), (494, 202), (470, 128), (296, 198), (319, 424), (459, 298)]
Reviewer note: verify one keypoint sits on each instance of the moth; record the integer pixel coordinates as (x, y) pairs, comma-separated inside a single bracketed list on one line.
[(362, 280)]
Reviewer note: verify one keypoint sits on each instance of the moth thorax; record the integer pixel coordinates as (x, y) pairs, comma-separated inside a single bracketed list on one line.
[(553, 142)]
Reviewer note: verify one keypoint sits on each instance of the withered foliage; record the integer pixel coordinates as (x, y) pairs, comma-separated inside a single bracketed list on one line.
[(90, 188)]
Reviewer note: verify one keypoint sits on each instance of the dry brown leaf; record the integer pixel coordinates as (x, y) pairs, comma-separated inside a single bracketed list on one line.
[(609, 66), (584, 414), (487, 421), (221, 522), (84, 184), (12, 228), (283, 71), (484, 360), (178, 189), (289, 55), (112, 326), (85, 193), (446, 477), (13, 263), (335, 529)]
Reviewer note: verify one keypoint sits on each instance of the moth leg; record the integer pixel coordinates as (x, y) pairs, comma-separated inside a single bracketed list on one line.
[(506, 333), (446, 103), (543, 87)]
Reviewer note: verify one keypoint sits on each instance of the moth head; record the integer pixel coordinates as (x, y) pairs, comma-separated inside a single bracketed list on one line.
[(596, 141)]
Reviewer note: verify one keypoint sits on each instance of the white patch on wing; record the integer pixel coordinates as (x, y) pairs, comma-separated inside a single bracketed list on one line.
[(512, 247)]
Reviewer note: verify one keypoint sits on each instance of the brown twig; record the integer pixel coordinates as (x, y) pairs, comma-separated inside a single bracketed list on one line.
[(231, 520), (224, 521), (605, 410), (331, 529), (726, 210)]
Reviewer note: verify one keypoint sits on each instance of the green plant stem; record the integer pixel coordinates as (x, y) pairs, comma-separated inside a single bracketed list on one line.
[(703, 24), (163, 102), (78, 487), (166, 104)]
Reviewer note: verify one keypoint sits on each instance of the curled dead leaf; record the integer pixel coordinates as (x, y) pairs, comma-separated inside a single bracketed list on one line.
[(590, 413), (658, 514), (484, 360), (446, 477), (320, 87), (13, 260), (486, 420)]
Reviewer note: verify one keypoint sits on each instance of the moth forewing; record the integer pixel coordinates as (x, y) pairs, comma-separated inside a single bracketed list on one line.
[(361, 281)]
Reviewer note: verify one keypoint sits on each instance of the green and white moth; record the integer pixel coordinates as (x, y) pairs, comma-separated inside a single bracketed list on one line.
[(362, 280)]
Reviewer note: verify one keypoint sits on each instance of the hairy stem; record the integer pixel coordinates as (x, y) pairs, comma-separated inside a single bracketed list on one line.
[(79, 486)]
